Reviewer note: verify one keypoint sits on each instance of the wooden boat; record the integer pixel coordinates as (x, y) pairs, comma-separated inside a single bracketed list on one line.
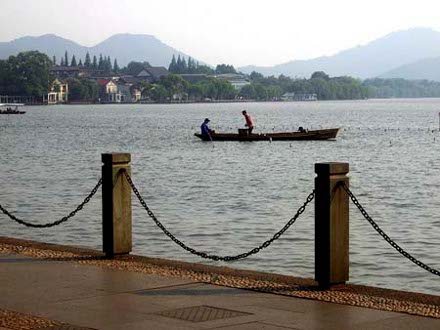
[(242, 135), (11, 109)]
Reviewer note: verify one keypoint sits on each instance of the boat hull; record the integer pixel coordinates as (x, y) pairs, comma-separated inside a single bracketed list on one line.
[(322, 134), (12, 112)]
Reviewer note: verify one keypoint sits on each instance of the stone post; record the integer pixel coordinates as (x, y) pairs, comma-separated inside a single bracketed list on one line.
[(331, 224), (116, 204)]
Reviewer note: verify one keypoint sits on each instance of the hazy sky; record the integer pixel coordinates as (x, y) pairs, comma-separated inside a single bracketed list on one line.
[(237, 32)]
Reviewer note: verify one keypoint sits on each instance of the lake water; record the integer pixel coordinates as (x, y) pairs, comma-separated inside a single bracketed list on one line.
[(228, 197)]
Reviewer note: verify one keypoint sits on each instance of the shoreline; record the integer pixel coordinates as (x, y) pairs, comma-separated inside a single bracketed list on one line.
[(176, 102), (233, 101), (348, 294)]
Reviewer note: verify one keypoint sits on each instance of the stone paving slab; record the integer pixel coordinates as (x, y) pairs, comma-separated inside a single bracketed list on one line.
[(69, 286)]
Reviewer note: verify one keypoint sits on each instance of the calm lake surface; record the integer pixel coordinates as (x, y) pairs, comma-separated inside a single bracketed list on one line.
[(226, 198)]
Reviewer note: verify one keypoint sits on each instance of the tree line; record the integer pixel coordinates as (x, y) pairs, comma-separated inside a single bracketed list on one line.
[(338, 88), (28, 74), (190, 66), (103, 63), (174, 87), (401, 88)]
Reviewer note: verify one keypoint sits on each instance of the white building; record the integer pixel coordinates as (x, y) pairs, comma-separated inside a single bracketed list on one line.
[(236, 80)]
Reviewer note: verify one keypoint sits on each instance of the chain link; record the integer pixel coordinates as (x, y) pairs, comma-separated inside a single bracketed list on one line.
[(384, 235), (210, 256), (58, 222)]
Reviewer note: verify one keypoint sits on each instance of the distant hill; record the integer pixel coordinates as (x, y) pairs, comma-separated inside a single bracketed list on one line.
[(428, 69), (123, 47), (373, 59)]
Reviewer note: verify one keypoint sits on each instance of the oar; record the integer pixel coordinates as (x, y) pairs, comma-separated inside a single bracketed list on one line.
[(210, 138)]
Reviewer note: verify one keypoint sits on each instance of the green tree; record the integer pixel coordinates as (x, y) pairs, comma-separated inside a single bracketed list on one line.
[(175, 85), (248, 92), (191, 65), (87, 61), (133, 68), (173, 65), (260, 92), (179, 65), (66, 58), (73, 62), (274, 92), (83, 90), (256, 76), (95, 63), (107, 64), (204, 69), (196, 92), (26, 74), (224, 68), (320, 75), (323, 88), (100, 62), (116, 68), (155, 92), (5, 77), (225, 91), (184, 66)]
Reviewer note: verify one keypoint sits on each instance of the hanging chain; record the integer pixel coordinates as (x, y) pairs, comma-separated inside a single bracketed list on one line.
[(210, 256), (384, 235), (58, 222)]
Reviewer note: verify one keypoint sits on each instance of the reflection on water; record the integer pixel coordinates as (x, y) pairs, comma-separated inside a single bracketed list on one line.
[(227, 197)]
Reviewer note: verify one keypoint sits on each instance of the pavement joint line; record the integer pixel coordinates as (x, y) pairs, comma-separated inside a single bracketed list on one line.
[(82, 298), (349, 294), (277, 325), (165, 287), (255, 322)]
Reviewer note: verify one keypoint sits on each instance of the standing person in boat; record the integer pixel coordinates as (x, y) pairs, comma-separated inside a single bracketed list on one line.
[(249, 123), (205, 130)]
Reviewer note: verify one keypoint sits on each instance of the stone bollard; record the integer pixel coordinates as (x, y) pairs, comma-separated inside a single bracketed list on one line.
[(116, 204), (331, 224)]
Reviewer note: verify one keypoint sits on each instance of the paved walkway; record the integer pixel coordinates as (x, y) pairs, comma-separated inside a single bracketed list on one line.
[(54, 294)]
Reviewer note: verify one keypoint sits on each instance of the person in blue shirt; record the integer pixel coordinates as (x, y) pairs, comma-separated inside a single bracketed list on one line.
[(206, 131)]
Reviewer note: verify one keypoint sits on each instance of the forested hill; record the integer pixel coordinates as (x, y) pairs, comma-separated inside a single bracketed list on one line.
[(427, 69)]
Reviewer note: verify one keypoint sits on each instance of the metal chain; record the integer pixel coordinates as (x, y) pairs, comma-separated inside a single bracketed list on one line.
[(58, 222), (210, 256), (384, 235)]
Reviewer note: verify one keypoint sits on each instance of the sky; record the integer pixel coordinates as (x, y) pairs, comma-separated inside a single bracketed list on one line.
[(237, 32)]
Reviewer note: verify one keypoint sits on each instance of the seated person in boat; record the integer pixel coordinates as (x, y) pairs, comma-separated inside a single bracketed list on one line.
[(205, 130), (249, 123)]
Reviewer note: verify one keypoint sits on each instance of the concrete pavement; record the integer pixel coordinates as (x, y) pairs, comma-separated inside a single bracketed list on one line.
[(89, 296)]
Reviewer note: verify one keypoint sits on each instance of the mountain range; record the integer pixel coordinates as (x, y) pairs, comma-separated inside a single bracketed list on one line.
[(409, 54), (381, 57), (123, 47)]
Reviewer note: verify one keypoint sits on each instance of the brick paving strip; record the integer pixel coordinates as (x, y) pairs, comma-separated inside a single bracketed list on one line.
[(354, 295), (20, 321)]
